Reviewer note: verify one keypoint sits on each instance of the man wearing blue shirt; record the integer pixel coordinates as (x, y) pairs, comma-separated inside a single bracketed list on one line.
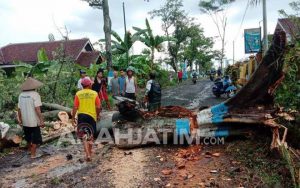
[(122, 81)]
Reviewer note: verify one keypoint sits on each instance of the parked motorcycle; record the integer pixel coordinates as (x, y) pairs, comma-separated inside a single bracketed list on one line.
[(223, 87)]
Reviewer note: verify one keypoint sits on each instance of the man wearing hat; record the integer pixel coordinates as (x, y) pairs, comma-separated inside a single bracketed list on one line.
[(82, 75), (87, 106), (130, 84), (29, 114)]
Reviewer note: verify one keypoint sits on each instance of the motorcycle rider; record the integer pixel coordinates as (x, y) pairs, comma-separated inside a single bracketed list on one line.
[(194, 76), (226, 81)]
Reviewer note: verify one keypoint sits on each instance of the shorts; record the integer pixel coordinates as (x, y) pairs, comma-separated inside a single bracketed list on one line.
[(130, 96), (87, 124), (33, 135)]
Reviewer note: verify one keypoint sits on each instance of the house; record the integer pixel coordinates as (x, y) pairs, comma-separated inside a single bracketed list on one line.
[(291, 27), (81, 51)]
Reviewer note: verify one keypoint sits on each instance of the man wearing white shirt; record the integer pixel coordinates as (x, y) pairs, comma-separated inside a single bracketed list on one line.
[(82, 75)]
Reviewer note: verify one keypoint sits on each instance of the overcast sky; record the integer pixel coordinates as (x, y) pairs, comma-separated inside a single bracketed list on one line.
[(33, 20)]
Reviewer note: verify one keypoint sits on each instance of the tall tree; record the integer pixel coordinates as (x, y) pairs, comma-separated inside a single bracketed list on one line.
[(152, 41), (103, 4), (172, 16), (197, 49), (217, 10)]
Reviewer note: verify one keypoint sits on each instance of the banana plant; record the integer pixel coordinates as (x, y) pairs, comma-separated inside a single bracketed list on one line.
[(41, 67), (153, 42), (122, 46)]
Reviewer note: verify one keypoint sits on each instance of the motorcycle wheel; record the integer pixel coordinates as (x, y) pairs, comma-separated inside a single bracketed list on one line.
[(230, 94)]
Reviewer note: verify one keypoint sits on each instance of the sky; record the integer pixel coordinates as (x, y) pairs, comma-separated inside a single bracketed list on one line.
[(33, 20)]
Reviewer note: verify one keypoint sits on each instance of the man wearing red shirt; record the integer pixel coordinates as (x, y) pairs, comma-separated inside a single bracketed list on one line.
[(180, 75)]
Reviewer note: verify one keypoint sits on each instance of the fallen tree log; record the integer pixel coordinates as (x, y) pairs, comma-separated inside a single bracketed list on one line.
[(51, 114), (52, 106), (253, 104), (13, 137)]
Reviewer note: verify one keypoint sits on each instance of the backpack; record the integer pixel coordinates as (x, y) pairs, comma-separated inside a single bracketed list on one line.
[(155, 92)]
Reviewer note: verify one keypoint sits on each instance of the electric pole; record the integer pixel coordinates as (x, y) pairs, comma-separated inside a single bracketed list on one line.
[(265, 25), (124, 16), (233, 52)]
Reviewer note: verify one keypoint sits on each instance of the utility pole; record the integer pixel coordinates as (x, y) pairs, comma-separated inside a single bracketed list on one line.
[(124, 16), (265, 25), (233, 52)]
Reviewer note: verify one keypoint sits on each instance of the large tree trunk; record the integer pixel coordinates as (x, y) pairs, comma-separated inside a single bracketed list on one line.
[(251, 106), (107, 31), (53, 106)]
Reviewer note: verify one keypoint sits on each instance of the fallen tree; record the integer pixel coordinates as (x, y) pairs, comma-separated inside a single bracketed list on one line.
[(53, 106), (253, 104)]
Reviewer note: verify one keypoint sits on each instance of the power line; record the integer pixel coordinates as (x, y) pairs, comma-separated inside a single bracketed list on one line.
[(242, 22)]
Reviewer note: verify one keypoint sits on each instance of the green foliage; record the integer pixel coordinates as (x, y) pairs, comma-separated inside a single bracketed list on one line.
[(42, 55), (153, 42), (288, 94), (213, 5)]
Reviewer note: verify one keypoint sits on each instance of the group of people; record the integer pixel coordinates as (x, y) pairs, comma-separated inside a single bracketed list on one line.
[(87, 103), (124, 85)]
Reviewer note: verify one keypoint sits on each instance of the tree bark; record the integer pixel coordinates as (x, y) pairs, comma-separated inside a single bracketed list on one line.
[(58, 107), (51, 114), (152, 57), (107, 31), (260, 88)]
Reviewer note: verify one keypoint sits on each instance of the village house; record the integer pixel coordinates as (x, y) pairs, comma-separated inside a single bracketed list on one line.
[(81, 51), (290, 26)]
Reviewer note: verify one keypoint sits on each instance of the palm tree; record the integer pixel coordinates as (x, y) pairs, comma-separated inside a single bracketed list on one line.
[(151, 41)]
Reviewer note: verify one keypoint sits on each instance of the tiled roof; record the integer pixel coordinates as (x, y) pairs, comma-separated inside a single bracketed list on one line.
[(27, 52), (290, 26), (87, 58)]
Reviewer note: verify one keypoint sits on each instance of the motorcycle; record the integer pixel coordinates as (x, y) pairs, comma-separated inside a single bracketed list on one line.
[(223, 87), (194, 79)]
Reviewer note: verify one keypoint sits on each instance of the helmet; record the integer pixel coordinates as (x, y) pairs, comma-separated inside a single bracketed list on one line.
[(130, 68)]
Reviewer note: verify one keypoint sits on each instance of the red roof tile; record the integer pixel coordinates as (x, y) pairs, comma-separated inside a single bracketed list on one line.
[(290, 26), (87, 58), (27, 52)]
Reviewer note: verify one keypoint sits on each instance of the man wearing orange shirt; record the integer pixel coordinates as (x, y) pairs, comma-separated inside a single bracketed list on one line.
[(87, 105)]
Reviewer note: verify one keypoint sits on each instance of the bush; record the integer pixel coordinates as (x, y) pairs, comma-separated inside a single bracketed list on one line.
[(288, 94)]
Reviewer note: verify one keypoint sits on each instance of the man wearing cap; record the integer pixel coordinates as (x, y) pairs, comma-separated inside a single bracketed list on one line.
[(87, 105), (82, 75), (29, 114)]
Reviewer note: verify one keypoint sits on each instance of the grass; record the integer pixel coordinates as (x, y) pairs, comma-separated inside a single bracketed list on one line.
[(56, 181), (255, 155)]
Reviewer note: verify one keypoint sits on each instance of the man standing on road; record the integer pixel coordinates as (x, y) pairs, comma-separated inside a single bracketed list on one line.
[(87, 104), (180, 75), (29, 114), (153, 93), (122, 81), (130, 85), (82, 75), (114, 84)]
